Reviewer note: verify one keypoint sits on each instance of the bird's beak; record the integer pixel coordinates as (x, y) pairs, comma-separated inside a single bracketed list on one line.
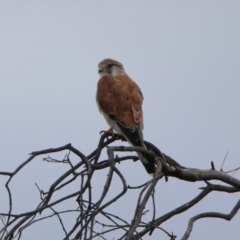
[(100, 71)]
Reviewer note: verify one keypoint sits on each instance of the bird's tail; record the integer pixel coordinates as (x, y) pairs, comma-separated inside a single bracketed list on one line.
[(135, 138), (148, 163)]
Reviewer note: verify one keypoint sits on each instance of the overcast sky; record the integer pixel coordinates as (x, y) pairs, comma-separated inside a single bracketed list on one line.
[(185, 56)]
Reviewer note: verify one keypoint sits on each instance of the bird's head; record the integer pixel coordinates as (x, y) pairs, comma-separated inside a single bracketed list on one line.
[(110, 67)]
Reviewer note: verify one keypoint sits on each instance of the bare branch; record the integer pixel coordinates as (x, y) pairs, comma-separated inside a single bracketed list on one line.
[(89, 209), (210, 215)]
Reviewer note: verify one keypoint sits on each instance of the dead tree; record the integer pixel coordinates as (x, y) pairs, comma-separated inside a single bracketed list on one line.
[(87, 209)]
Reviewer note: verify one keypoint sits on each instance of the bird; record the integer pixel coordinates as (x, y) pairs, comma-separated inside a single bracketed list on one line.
[(120, 100)]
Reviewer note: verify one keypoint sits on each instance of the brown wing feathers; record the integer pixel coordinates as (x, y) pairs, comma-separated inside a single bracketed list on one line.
[(120, 96)]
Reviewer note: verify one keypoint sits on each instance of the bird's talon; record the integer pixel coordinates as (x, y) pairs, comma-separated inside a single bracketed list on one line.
[(109, 131)]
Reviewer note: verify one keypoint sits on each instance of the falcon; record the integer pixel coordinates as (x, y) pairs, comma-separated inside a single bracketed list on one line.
[(120, 100)]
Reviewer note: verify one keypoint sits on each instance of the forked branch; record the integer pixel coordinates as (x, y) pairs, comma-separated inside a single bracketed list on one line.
[(90, 211)]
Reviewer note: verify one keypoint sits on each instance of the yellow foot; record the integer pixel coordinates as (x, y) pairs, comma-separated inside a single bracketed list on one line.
[(109, 131)]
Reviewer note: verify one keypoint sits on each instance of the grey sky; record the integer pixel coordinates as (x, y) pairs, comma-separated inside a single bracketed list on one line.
[(185, 56)]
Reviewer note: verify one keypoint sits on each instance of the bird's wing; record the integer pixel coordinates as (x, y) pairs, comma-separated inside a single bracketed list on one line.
[(121, 99)]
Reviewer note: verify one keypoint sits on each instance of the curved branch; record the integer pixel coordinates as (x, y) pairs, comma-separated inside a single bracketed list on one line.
[(185, 207), (210, 215)]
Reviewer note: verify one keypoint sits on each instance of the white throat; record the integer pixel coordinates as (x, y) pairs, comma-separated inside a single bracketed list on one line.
[(116, 71)]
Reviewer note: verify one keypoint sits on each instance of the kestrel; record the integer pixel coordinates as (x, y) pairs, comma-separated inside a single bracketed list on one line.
[(120, 100)]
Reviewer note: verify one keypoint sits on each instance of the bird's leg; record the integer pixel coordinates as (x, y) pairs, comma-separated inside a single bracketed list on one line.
[(109, 131)]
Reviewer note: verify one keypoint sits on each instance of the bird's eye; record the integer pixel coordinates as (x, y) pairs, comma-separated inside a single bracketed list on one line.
[(110, 65)]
